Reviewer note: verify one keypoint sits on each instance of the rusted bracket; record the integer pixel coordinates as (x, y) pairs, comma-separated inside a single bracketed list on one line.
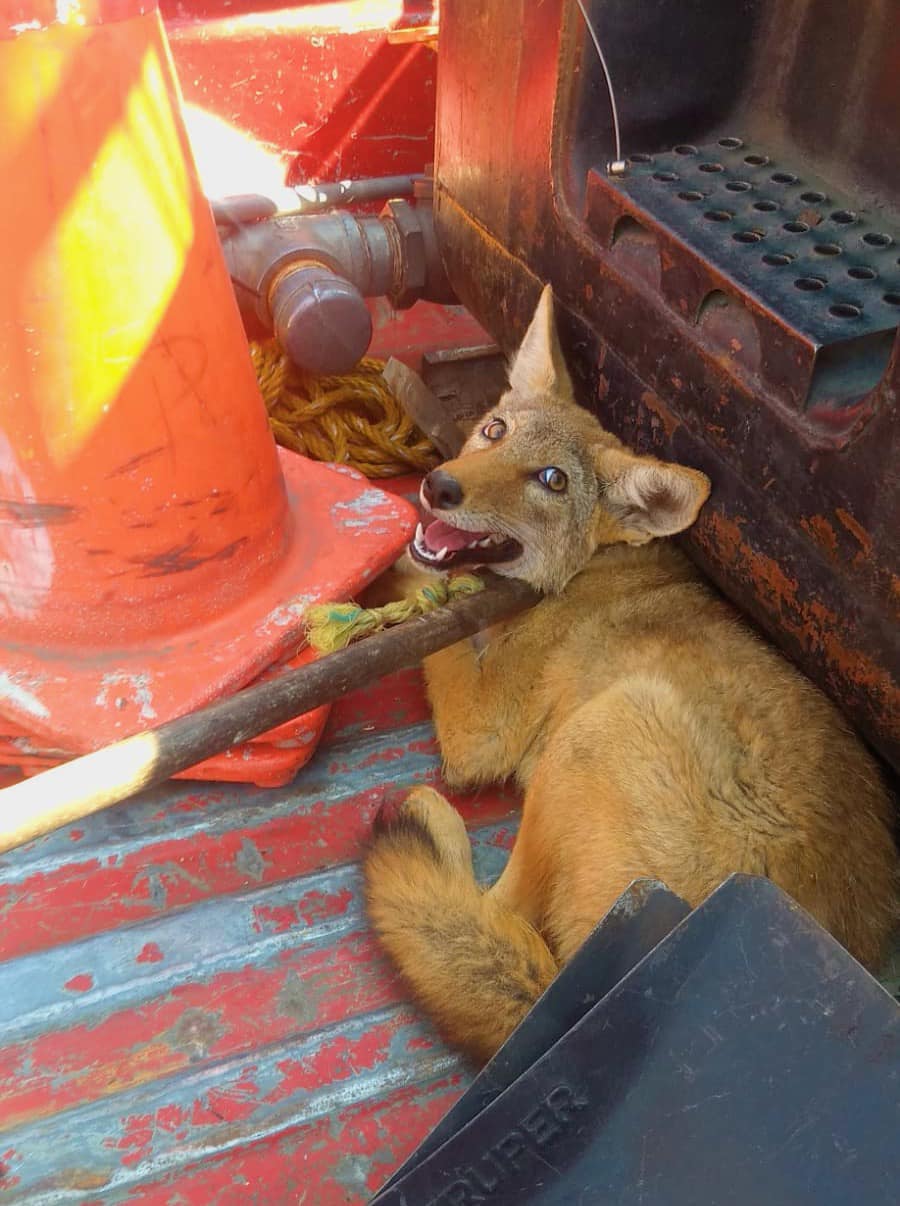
[(427, 411)]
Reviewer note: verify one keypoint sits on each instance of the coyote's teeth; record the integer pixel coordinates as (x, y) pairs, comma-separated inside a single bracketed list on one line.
[(441, 555), (483, 544), (420, 534)]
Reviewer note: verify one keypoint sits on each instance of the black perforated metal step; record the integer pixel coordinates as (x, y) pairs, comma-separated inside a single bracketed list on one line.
[(796, 244), (827, 274)]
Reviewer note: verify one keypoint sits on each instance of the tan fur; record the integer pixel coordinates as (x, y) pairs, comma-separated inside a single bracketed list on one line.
[(652, 732)]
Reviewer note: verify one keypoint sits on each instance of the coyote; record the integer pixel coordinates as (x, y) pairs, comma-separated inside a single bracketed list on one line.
[(653, 733)]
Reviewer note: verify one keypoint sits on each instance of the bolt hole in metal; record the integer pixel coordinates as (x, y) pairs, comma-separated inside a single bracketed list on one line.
[(876, 239), (844, 310), (640, 157), (685, 148), (747, 236), (795, 227), (783, 178), (765, 207), (810, 284), (892, 299), (691, 195), (813, 198), (862, 274), (718, 215), (731, 144), (843, 217), (777, 259), (827, 249), (756, 160), (711, 167), (665, 177), (738, 186)]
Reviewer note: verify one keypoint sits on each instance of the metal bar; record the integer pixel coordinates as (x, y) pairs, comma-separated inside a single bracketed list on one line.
[(93, 782)]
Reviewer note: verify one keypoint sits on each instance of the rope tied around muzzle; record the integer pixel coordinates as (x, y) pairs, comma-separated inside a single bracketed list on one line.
[(355, 420), (332, 626)]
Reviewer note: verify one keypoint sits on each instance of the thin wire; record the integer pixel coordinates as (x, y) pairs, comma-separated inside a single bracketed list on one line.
[(609, 86)]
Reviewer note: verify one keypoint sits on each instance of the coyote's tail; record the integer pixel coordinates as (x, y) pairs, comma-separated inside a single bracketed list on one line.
[(475, 966)]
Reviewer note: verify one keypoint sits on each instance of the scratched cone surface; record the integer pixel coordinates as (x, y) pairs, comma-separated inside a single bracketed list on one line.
[(192, 1008), (156, 549)]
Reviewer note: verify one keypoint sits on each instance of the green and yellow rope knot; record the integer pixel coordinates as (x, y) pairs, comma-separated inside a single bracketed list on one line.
[(332, 626)]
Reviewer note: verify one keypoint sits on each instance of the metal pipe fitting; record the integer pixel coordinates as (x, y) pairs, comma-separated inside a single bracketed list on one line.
[(319, 318), (305, 276), (316, 198)]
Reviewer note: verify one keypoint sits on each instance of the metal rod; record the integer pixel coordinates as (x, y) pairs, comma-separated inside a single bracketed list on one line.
[(76, 789), (316, 197), (238, 211), (618, 163)]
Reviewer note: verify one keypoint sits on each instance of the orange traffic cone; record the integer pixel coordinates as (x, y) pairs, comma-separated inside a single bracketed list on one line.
[(156, 549)]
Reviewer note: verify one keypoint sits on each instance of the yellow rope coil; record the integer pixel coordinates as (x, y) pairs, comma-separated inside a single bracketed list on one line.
[(351, 420), (332, 626)]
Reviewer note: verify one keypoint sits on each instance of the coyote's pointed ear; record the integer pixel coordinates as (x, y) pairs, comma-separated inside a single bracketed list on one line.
[(647, 497), (538, 370)]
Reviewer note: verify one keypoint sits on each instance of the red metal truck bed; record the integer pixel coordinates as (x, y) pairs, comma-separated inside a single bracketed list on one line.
[(191, 1006)]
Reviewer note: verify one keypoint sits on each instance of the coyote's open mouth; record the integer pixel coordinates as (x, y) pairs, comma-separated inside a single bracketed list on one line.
[(440, 545)]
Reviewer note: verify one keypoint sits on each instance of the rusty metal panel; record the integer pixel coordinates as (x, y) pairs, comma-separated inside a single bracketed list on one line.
[(191, 1006), (683, 338)]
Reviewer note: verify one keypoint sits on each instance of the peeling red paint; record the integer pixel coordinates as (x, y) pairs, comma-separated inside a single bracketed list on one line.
[(149, 953), (287, 1166), (80, 983), (235, 1102), (169, 1118), (136, 1141), (59, 1070), (315, 906), (8, 1180), (504, 838), (279, 918), (51, 907), (335, 1060)]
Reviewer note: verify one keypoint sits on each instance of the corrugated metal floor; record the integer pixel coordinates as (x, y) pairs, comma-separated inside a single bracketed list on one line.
[(191, 1006)]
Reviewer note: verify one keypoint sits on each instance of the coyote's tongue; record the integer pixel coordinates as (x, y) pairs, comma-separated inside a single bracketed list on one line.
[(440, 535)]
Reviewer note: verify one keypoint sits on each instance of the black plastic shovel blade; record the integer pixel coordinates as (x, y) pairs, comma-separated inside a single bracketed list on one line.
[(637, 922), (747, 1059)]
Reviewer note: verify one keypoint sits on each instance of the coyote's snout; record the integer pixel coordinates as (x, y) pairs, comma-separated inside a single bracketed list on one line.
[(653, 734)]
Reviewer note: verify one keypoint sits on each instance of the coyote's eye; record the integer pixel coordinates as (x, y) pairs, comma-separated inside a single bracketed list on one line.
[(554, 479), (495, 430)]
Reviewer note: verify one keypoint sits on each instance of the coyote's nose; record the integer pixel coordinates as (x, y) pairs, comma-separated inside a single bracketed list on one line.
[(441, 491)]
